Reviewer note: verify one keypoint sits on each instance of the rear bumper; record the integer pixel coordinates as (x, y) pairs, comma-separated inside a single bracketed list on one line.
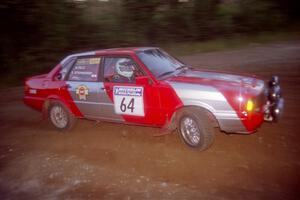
[(34, 102)]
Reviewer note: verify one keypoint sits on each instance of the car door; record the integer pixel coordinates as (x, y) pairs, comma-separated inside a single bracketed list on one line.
[(86, 89), (135, 98)]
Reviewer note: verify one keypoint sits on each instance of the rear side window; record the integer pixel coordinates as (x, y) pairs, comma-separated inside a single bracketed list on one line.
[(85, 69), (66, 67)]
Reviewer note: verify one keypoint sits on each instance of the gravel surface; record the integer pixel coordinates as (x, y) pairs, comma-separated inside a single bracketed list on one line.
[(113, 161)]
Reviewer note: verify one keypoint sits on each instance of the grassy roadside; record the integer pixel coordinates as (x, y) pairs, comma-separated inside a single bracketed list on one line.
[(236, 42), (178, 49)]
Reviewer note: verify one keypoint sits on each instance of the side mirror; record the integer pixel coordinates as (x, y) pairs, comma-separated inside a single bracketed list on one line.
[(142, 80)]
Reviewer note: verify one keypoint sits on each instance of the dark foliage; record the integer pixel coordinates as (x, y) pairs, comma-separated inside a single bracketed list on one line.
[(35, 34)]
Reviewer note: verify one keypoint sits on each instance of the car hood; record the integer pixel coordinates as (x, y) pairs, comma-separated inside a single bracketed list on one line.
[(221, 80)]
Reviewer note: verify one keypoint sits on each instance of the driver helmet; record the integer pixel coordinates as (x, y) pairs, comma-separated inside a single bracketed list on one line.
[(124, 67)]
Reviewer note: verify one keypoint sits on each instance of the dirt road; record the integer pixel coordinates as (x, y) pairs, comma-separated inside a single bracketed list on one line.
[(111, 161)]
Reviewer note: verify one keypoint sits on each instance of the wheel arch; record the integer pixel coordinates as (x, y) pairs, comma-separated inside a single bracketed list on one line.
[(173, 122), (51, 99)]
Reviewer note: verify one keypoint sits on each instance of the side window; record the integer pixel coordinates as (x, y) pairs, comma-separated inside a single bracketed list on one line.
[(120, 70), (85, 69)]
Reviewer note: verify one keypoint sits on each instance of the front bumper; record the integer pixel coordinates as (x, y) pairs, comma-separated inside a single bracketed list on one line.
[(273, 109)]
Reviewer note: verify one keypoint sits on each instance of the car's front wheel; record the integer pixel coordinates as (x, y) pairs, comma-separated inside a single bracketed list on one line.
[(60, 117), (195, 128)]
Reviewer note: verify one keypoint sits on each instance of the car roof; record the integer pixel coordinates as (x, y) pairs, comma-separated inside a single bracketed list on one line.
[(126, 49), (111, 50)]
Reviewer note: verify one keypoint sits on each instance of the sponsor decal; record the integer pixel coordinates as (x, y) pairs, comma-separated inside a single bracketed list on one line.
[(94, 61), (128, 91), (82, 91), (88, 61)]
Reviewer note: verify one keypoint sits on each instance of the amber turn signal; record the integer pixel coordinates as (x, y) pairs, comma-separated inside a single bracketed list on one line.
[(249, 105)]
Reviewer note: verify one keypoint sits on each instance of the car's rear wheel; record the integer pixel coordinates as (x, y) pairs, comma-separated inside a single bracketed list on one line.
[(60, 117), (195, 129)]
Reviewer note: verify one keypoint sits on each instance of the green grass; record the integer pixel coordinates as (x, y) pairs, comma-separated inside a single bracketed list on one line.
[(236, 42)]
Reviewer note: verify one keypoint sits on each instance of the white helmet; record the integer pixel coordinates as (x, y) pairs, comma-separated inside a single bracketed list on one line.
[(124, 67)]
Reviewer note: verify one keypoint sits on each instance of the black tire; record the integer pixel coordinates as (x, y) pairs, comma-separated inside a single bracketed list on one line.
[(60, 116), (194, 128)]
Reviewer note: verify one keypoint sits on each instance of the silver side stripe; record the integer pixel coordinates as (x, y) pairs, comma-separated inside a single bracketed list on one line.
[(226, 115), (205, 95), (211, 99), (94, 103)]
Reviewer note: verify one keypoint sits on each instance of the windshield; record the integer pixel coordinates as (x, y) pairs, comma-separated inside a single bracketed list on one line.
[(159, 62)]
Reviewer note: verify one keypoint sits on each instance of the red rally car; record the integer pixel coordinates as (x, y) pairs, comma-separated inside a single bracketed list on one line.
[(146, 86)]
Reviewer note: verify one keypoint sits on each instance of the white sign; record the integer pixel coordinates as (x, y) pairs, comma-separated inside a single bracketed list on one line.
[(129, 100)]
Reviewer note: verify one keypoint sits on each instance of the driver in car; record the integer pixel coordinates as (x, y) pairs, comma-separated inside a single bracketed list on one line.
[(124, 71)]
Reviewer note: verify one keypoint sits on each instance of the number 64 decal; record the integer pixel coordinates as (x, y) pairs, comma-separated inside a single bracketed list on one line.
[(130, 105), (129, 100)]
